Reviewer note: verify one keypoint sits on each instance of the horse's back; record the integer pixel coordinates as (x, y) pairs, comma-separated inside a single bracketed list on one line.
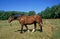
[(27, 19), (35, 17), (30, 19)]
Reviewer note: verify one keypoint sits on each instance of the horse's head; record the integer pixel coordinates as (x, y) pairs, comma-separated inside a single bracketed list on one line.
[(13, 17), (10, 19)]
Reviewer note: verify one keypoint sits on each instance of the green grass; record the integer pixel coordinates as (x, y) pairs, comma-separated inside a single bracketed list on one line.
[(51, 30)]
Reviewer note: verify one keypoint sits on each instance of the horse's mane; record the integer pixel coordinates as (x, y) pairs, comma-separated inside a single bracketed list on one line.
[(16, 15)]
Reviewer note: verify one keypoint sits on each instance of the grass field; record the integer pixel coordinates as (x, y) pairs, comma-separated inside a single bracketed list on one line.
[(51, 30)]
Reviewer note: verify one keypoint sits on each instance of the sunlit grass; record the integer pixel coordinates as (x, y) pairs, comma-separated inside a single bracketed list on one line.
[(51, 30)]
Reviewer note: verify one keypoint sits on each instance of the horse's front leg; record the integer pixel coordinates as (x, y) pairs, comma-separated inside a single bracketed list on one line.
[(34, 28), (21, 29), (27, 28)]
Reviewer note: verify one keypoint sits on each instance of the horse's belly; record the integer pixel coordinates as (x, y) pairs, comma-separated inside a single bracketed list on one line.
[(29, 22)]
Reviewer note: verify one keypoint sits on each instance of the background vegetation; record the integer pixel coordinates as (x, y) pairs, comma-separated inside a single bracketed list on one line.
[(49, 12)]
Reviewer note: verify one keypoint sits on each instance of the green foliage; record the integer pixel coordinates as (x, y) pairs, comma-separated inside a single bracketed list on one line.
[(5, 15), (31, 13), (53, 12)]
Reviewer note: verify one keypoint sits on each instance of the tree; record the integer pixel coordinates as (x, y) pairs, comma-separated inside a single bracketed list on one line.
[(31, 13), (53, 12)]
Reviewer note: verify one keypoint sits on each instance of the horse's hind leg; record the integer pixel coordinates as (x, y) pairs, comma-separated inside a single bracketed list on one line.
[(40, 27), (34, 28), (27, 28)]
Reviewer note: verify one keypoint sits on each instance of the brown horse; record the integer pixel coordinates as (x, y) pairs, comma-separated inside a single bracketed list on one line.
[(27, 20)]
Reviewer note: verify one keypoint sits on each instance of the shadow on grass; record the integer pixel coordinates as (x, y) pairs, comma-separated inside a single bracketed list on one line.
[(29, 30)]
